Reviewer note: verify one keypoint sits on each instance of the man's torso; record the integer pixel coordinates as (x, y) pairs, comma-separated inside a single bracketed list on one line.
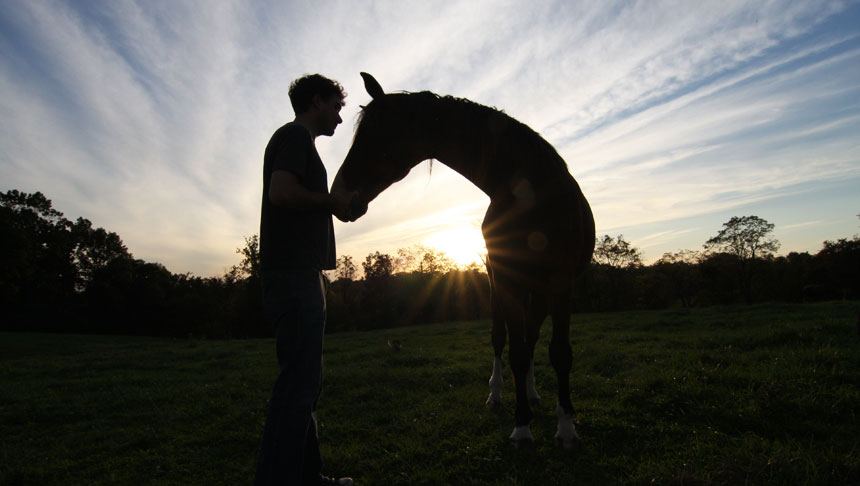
[(292, 239)]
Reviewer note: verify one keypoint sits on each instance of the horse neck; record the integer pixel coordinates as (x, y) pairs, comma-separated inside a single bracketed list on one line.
[(470, 148)]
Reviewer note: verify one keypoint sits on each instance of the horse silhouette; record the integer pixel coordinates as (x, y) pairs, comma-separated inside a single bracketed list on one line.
[(539, 229)]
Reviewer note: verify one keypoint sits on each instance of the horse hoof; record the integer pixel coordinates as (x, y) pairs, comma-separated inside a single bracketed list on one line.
[(566, 436), (522, 444), (493, 404), (568, 444), (522, 437)]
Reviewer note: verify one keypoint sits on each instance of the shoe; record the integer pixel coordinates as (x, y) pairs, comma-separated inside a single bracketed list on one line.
[(327, 481)]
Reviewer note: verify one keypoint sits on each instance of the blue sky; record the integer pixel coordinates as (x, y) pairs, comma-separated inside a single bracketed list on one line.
[(150, 118)]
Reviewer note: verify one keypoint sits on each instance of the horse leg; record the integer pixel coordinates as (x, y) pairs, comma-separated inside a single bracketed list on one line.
[(523, 336), (561, 357), (536, 313), (520, 358), (531, 390), (499, 335)]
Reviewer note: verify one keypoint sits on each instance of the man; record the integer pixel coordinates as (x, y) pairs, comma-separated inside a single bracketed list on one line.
[(296, 245)]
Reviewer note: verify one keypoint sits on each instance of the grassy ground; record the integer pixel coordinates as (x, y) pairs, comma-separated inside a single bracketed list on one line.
[(765, 394)]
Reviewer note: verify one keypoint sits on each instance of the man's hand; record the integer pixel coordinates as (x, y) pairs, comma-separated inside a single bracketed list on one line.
[(342, 206), (286, 191)]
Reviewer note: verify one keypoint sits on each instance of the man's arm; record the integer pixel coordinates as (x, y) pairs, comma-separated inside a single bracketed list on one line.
[(285, 190)]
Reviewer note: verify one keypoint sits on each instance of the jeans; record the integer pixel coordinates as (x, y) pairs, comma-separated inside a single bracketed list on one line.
[(294, 303)]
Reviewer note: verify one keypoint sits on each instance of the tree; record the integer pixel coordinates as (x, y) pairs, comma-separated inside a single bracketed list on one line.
[(95, 249), (35, 203), (681, 270), (405, 261), (37, 271), (840, 261), (345, 269), (243, 294), (377, 303), (421, 259), (747, 239), (378, 266), (613, 275), (249, 267), (434, 262), (617, 253)]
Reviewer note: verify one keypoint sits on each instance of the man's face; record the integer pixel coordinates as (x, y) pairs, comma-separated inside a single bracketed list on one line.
[(329, 115)]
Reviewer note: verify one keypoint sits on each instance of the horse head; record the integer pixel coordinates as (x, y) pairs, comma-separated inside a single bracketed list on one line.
[(387, 144)]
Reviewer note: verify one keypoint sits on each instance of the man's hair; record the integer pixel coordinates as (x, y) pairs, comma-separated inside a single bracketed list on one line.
[(303, 90)]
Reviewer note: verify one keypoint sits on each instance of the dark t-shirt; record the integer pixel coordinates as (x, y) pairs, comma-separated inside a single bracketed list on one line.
[(291, 239)]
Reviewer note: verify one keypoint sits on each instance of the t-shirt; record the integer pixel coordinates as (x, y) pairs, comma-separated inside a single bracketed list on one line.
[(293, 239)]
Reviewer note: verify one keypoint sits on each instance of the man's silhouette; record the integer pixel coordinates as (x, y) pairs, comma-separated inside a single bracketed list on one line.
[(296, 245)]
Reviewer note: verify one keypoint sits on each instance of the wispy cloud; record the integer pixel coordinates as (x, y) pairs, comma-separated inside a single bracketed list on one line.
[(151, 118)]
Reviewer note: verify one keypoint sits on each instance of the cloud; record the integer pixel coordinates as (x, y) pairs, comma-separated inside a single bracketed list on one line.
[(744, 142), (149, 137), (151, 118)]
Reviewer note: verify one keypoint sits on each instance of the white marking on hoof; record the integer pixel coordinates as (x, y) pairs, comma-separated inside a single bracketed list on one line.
[(495, 398), (522, 437), (566, 436), (531, 391)]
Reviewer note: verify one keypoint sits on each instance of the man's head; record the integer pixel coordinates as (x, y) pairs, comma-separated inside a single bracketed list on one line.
[(320, 99)]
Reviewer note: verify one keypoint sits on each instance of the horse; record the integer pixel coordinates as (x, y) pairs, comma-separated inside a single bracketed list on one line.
[(538, 228)]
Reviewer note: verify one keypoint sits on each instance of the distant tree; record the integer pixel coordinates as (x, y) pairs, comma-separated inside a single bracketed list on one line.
[(249, 267), (613, 275), (434, 262), (681, 270), (406, 259), (616, 252), (840, 262), (128, 296), (422, 259), (790, 274), (745, 237), (377, 307), (688, 257), (346, 269), (95, 249), (243, 313), (36, 203), (475, 267), (748, 239), (37, 271), (343, 298), (378, 266)]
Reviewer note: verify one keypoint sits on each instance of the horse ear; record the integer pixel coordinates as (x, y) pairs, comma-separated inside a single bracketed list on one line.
[(372, 86)]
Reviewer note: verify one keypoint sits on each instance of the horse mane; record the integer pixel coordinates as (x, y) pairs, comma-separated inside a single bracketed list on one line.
[(480, 113), (479, 116)]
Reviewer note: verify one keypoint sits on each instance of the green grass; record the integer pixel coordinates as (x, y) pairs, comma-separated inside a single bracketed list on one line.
[(765, 394)]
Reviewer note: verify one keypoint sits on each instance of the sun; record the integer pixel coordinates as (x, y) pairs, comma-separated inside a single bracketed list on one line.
[(464, 244)]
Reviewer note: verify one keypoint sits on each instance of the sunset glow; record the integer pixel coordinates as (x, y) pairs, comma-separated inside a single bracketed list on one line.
[(463, 244)]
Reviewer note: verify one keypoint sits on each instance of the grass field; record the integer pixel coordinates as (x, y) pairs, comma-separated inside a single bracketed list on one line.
[(765, 394)]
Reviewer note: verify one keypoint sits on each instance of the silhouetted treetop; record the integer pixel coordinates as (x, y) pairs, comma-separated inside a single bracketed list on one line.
[(746, 237), (616, 252)]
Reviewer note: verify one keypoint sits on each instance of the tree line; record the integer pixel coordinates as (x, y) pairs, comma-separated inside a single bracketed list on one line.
[(738, 265), (59, 275)]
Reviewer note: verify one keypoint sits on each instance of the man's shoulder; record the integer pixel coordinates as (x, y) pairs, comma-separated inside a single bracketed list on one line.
[(291, 138), (292, 131)]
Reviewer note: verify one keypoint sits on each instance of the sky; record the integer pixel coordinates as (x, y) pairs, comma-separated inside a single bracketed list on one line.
[(150, 118)]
